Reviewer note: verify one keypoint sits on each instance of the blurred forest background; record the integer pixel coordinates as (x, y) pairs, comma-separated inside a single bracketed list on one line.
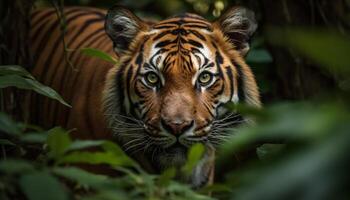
[(300, 56)]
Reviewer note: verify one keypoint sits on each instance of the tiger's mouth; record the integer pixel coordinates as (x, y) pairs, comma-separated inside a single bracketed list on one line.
[(213, 133), (176, 148), (137, 137)]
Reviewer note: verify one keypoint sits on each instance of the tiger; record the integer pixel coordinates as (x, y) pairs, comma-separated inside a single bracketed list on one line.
[(168, 90)]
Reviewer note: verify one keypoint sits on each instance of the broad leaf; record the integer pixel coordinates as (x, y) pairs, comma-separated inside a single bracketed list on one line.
[(30, 84), (80, 176), (194, 156), (7, 125), (83, 144), (165, 178), (15, 70), (42, 185), (15, 166), (268, 151), (112, 147), (99, 54), (34, 137), (58, 141), (94, 158)]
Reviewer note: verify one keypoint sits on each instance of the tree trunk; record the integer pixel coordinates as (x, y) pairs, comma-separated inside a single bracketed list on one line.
[(14, 42)]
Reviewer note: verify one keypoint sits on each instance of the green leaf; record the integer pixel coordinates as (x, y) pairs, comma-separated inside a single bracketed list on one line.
[(183, 191), (165, 178), (112, 147), (267, 151), (30, 84), (115, 194), (326, 48), (34, 137), (99, 54), (83, 144), (6, 142), (216, 187), (112, 155), (94, 158), (42, 185), (80, 176), (7, 125), (15, 166), (15, 70), (195, 154), (58, 141)]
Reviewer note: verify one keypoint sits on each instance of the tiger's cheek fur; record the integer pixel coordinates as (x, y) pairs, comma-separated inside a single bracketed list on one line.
[(178, 50)]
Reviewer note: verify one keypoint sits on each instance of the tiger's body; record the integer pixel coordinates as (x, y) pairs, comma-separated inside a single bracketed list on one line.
[(81, 84), (167, 92)]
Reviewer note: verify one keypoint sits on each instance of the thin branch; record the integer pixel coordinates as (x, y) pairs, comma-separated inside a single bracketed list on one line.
[(63, 27)]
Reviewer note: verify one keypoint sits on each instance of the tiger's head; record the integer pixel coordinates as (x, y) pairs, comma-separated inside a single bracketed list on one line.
[(172, 81)]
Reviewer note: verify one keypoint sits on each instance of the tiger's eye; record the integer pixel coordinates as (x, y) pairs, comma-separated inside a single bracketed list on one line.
[(152, 78), (205, 78)]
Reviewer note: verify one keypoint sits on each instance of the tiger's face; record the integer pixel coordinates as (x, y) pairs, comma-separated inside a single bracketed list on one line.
[(173, 79)]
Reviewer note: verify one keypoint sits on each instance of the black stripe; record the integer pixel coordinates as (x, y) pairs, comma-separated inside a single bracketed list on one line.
[(195, 43), (230, 76), (240, 82), (138, 92), (47, 35), (215, 95), (128, 80), (164, 43), (184, 21), (34, 15), (160, 35), (219, 60), (164, 27), (56, 24), (209, 110), (121, 87), (139, 59), (59, 40), (198, 35), (90, 39), (143, 116), (86, 24), (209, 66), (199, 27), (88, 99)]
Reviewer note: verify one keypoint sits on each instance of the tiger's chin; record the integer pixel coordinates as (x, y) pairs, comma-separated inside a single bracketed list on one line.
[(173, 156)]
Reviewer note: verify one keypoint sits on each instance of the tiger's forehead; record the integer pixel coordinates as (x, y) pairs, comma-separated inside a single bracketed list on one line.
[(186, 20), (182, 41)]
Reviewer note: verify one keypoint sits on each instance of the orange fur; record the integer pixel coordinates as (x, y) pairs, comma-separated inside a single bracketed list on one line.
[(179, 102)]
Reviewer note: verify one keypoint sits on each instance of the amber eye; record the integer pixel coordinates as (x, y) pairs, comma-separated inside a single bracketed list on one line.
[(205, 78), (152, 78)]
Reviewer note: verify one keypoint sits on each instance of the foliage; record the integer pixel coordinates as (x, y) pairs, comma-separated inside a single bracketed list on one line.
[(16, 76), (48, 176)]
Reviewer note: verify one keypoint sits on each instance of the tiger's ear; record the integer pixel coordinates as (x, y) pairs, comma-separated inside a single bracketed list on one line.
[(238, 24), (122, 26)]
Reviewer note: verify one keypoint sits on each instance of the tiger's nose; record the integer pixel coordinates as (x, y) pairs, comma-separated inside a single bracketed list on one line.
[(176, 127)]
